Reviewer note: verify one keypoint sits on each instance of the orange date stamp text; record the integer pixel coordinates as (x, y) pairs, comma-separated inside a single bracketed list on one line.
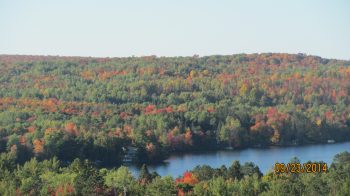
[(300, 168)]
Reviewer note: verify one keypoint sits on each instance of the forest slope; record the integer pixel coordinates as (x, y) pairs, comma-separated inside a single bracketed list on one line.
[(77, 107)]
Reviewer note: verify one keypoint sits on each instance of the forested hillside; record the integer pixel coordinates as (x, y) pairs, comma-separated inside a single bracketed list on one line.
[(94, 108)]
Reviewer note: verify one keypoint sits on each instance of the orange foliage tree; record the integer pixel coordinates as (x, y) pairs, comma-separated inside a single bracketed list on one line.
[(38, 146)]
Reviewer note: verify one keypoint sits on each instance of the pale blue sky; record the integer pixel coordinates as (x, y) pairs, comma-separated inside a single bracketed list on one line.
[(174, 27)]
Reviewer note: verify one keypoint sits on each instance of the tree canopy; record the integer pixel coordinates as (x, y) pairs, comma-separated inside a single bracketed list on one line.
[(95, 108)]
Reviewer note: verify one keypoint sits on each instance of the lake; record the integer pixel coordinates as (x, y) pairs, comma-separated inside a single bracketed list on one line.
[(265, 158)]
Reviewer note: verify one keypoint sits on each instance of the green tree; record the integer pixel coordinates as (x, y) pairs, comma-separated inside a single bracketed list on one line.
[(88, 179), (144, 176), (164, 186), (234, 171), (120, 180)]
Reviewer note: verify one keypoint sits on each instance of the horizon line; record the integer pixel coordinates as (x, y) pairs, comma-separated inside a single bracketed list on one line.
[(169, 56)]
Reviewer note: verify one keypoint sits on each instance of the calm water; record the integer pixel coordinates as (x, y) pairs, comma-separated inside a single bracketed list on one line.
[(265, 158)]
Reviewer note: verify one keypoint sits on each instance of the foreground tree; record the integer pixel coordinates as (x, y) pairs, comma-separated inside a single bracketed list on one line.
[(121, 181)]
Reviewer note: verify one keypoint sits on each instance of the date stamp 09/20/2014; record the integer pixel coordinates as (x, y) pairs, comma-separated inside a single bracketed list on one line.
[(297, 168)]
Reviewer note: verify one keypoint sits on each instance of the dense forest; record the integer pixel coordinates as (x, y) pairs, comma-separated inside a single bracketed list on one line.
[(97, 108), (48, 177)]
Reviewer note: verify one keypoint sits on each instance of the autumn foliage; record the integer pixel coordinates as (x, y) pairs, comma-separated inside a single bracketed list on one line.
[(71, 128), (38, 146), (188, 179), (50, 105)]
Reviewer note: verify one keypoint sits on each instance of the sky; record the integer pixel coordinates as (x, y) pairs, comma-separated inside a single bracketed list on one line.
[(117, 28)]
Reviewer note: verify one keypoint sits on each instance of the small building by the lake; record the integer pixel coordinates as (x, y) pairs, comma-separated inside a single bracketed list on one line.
[(130, 154), (330, 141)]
